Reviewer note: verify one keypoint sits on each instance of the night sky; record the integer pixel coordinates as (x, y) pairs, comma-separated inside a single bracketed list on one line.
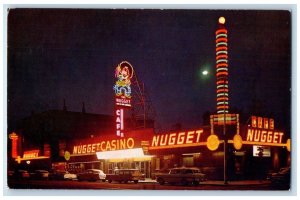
[(72, 54)]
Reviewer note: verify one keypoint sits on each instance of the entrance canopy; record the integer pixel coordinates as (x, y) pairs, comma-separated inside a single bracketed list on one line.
[(122, 154)]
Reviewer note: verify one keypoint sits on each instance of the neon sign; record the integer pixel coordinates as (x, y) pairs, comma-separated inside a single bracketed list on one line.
[(268, 136), (108, 145), (262, 130), (14, 138), (120, 122), (230, 119), (222, 68), (124, 72), (31, 154), (174, 140), (260, 122)]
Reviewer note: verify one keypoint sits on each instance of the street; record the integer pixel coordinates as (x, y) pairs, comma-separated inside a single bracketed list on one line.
[(210, 185)]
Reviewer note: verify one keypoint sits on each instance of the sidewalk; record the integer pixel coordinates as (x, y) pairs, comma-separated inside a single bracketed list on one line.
[(209, 182), (241, 182)]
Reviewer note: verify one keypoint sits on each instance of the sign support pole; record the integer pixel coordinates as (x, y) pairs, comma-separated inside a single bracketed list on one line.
[(225, 150)]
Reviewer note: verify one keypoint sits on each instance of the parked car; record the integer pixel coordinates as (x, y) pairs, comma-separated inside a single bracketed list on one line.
[(181, 175), (91, 175), (19, 174), (62, 175), (282, 178), (125, 175), (39, 175)]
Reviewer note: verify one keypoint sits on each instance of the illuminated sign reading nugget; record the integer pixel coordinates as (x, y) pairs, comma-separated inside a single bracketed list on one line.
[(173, 140), (268, 136), (262, 130)]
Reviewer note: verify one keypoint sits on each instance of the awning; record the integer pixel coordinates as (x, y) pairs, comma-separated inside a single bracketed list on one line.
[(121, 154)]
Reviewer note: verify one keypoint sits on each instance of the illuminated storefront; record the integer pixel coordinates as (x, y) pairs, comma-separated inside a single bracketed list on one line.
[(108, 152)]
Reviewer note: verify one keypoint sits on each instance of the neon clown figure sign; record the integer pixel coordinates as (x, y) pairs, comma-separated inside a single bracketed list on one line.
[(124, 72)]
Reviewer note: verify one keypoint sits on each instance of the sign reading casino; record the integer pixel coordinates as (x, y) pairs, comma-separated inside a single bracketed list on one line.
[(105, 145)]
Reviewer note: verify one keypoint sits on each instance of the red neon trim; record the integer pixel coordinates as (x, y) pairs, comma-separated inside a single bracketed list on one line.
[(221, 40), (221, 48), (222, 65), (222, 99), (222, 107), (222, 56), (221, 82), (222, 73), (222, 90), (221, 31)]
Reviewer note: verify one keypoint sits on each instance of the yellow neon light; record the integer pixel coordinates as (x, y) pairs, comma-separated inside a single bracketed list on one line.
[(223, 102), (222, 69), (221, 43), (260, 143), (221, 35), (36, 158), (222, 93), (220, 52), (213, 142), (84, 154), (223, 85), (222, 60), (179, 145), (222, 111)]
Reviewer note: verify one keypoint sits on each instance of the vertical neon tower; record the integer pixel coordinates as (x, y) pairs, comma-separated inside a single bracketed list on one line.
[(222, 67)]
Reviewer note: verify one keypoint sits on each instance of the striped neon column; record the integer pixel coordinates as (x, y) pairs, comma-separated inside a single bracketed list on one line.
[(222, 67)]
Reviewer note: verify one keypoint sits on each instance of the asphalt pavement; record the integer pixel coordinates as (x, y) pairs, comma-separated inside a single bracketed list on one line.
[(220, 183)]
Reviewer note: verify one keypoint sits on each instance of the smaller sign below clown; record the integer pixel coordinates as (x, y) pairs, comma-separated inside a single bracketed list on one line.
[(119, 122), (124, 73)]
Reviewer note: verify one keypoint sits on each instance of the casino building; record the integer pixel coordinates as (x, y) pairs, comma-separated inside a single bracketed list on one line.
[(79, 141)]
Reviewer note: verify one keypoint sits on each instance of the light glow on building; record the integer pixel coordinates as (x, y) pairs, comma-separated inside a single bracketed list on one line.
[(122, 154)]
